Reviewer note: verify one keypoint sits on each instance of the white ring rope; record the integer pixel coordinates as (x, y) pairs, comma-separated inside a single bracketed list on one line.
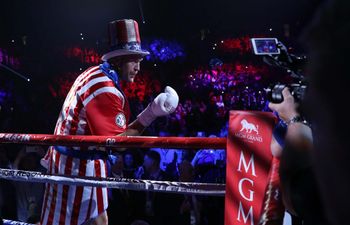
[(118, 183), (11, 222)]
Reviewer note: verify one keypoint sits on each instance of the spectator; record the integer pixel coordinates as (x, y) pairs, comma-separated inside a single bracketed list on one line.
[(29, 195), (158, 208)]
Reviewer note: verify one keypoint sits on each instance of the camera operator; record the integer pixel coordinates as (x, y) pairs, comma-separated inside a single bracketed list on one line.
[(327, 40), (314, 163), (298, 185)]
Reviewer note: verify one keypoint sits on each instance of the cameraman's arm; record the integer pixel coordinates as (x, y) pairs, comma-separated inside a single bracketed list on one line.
[(287, 109), (297, 147), (298, 134)]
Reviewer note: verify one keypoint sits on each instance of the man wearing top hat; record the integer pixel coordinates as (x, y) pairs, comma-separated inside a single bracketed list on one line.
[(95, 105)]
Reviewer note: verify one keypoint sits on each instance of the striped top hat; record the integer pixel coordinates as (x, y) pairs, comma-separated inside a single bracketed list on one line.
[(124, 39)]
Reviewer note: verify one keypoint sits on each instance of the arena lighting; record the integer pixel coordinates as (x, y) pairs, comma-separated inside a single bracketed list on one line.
[(15, 72), (8, 60), (163, 50), (241, 45), (84, 55)]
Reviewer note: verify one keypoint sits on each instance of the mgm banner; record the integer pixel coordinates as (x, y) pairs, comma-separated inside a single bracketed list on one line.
[(249, 160)]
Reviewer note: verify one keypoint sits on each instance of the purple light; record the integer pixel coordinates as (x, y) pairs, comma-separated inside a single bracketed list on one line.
[(6, 59), (4, 95), (163, 50)]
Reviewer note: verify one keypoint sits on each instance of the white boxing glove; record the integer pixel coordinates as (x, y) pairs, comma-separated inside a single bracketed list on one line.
[(164, 104)]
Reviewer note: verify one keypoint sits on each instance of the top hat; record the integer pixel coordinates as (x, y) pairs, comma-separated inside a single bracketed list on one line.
[(124, 39)]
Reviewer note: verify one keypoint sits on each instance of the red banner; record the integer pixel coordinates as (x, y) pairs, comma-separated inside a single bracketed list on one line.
[(248, 163)]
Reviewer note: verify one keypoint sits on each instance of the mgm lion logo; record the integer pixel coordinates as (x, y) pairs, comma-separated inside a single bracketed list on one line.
[(249, 127)]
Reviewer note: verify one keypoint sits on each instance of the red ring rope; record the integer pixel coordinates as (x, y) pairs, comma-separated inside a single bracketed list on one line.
[(115, 141)]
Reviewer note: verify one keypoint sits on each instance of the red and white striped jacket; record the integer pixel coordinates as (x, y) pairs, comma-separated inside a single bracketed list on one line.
[(93, 106)]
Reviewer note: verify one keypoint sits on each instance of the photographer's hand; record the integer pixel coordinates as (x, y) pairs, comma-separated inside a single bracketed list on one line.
[(288, 108)]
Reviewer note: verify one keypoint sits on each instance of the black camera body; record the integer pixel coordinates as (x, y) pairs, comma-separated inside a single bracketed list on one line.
[(274, 93), (276, 54)]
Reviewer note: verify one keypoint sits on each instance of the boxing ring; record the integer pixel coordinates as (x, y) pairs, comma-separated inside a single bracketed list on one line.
[(114, 142), (242, 174)]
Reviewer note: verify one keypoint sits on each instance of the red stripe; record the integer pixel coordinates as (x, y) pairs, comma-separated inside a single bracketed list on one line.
[(85, 77), (106, 172), (47, 191), (67, 170), (70, 98), (99, 190), (137, 33), (111, 33), (54, 194), (88, 79), (80, 82), (75, 119), (121, 32), (87, 73), (78, 194), (95, 87), (116, 33), (88, 215), (79, 106)]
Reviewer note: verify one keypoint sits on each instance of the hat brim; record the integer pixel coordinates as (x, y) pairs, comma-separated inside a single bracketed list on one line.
[(123, 52)]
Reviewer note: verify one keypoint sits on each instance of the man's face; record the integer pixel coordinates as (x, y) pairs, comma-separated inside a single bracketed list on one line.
[(129, 67)]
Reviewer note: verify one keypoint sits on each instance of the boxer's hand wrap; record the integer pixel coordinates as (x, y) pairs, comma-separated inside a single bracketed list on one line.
[(164, 104)]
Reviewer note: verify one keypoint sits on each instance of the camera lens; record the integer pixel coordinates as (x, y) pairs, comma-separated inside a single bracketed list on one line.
[(277, 93), (274, 94)]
